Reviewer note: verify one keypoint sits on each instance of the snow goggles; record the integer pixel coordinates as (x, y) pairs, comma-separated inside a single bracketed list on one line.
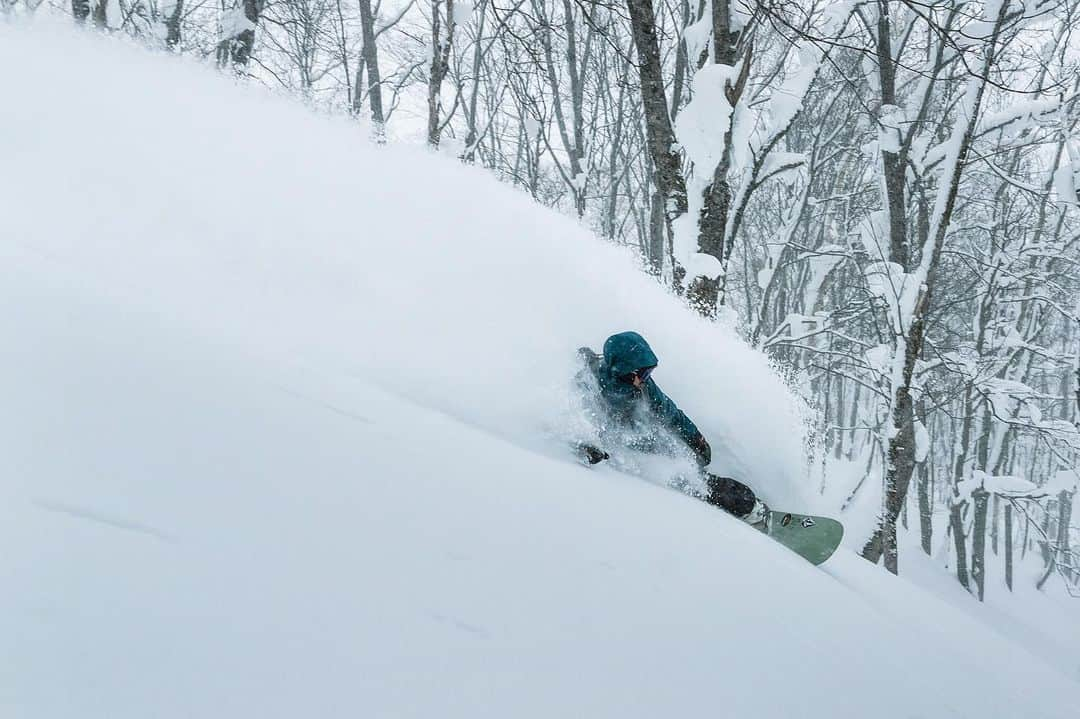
[(642, 374)]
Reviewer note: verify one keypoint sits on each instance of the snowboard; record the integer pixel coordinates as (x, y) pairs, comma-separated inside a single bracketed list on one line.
[(812, 538)]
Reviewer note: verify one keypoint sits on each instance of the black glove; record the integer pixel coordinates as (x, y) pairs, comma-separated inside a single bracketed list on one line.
[(701, 449), (592, 455)]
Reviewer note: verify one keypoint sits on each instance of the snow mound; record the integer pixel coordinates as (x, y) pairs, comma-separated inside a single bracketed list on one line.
[(272, 400), (238, 213)]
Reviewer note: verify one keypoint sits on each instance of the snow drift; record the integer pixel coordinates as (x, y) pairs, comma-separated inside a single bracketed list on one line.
[(237, 213), (280, 438)]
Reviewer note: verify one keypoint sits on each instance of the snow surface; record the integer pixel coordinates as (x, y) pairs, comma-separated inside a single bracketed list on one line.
[(282, 438)]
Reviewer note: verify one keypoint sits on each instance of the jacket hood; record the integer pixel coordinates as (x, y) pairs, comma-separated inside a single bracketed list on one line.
[(626, 352)]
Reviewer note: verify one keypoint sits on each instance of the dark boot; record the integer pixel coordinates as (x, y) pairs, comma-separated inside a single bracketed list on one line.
[(730, 495)]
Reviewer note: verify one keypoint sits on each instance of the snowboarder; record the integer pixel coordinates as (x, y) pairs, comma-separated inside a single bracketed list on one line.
[(628, 408)]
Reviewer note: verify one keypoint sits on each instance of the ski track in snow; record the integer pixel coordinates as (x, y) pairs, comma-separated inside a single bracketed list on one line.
[(466, 627), (325, 405), (102, 518)]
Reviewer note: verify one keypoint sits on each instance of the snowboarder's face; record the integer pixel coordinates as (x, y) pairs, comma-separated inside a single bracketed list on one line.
[(638, 377)]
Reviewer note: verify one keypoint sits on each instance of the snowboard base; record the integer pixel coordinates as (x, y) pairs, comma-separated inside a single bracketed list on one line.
[(811, 537)]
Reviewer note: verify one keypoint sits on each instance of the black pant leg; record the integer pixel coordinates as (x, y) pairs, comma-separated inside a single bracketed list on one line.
[(730, 495)]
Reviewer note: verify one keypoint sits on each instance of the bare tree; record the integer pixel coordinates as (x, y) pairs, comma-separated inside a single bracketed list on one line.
[(369, 60), (442, 40)]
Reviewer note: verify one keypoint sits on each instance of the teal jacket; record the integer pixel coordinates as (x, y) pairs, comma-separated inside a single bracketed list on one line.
[(630, 408)]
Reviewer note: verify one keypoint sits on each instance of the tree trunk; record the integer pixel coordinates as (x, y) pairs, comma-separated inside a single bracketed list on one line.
[(926, 509), (706, 293), (576, 151), (995, 525), (978, 543), (956, 523), (172, 25), (682, 64), (892, 162), (369, 59), (1078, 384), (660, 136), (1064, 551), (900, 456), (101, 14), (656, 234), (80, 10), (471, 135), (1046, 550), (237, 50), (1060, 554), (1009, 546), (440, 66), (613, 161)]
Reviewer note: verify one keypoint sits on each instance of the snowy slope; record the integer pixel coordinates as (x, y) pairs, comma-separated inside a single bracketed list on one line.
[(281, 438), (237, 213)]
